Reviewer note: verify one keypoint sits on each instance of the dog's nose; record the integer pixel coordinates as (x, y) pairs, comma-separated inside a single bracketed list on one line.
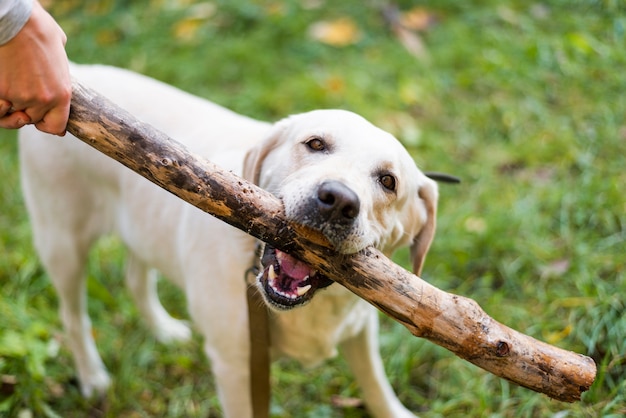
[(337, 202)]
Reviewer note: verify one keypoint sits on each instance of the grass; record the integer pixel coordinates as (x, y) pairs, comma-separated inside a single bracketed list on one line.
[(524, 101)]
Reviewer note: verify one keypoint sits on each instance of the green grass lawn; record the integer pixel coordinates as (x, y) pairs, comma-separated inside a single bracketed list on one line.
[(526, 102)]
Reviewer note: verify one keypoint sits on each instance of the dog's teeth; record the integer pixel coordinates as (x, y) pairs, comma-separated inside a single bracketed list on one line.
[(271, 274), (302, 290)]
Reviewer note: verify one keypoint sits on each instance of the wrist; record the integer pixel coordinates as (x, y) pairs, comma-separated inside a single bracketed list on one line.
[(14, 14)]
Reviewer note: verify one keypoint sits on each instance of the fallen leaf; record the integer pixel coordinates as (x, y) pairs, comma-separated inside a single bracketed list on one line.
[(107, 37), (406, 25), (340, 32), (574, 302), (555, 269), (346, 402), (418, 18), (186, 29), (411, 41), (558, 336), (335, 84)]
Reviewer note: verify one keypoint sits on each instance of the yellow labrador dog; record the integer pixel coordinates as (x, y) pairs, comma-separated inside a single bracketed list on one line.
[(333, 170)]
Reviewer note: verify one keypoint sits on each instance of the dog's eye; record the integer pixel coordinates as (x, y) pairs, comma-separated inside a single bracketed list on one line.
[(388, 181), (316, 144)]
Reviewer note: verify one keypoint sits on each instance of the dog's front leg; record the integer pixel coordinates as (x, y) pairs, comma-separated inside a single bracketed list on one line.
[(220, 315), (71, 288), (232, 378), (361, 352)]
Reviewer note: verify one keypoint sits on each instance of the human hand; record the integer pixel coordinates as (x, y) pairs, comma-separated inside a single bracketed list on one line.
[(35, 84)]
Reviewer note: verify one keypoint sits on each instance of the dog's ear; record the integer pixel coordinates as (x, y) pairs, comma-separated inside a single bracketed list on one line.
[(421, 242), (253, 161), (442, 177)]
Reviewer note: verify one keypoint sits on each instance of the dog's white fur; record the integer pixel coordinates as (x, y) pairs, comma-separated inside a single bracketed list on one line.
[(75, 195)]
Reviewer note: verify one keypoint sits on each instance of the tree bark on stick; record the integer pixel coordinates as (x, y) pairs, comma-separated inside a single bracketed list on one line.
[(453, 322)]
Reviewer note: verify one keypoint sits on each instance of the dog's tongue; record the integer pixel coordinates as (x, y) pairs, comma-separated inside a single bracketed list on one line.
[(292, 267)]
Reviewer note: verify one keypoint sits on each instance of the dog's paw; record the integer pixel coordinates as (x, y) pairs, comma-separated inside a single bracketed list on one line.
[(95, 385), (173, 331), (404, 413)]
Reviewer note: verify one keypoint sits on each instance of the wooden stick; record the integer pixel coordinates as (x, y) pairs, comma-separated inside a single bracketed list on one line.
[(454, 322)]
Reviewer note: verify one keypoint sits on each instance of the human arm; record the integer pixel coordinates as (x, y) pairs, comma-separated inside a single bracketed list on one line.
[(35, 85)]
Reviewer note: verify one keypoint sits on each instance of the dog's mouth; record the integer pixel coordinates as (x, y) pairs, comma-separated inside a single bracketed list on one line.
[(288, 282)]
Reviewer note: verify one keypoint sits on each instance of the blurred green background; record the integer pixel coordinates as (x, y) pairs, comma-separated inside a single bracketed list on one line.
[(525, 101)]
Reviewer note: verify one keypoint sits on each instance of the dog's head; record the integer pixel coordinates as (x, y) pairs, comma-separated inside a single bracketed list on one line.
[(355, 183)]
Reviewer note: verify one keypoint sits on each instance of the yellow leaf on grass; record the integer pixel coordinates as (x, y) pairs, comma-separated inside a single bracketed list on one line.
[(339, 32), (418, 18), (186, 29), (558, 336), (574, 302), (407, 25), (108, 37), (335, 84)]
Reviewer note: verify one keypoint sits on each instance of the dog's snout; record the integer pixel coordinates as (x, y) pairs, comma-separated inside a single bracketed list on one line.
[(338, 202)]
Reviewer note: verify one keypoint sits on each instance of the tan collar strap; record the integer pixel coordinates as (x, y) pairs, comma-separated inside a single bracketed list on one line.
[(259, 346)]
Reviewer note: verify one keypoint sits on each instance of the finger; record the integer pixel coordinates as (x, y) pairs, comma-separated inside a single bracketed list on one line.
[(55, 121), (5, 107), (14, 120), (36, 111)]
